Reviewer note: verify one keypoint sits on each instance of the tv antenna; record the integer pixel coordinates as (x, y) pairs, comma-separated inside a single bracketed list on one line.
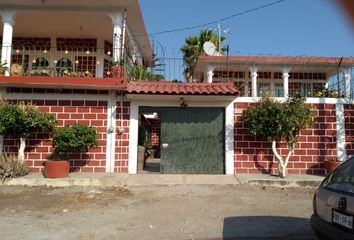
[(221, 32)]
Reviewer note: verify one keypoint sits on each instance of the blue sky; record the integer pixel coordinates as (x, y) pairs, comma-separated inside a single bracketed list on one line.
[(291, 28)]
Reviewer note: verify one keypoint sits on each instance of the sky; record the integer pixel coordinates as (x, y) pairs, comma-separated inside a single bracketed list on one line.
[(290, 28)]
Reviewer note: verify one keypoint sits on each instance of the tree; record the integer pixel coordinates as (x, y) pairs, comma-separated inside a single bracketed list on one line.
[(275, 122), (193, 48), (21, 120)]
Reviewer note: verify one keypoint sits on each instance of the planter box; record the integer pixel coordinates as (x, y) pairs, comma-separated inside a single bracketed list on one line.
[(117, 72), (56, 169)]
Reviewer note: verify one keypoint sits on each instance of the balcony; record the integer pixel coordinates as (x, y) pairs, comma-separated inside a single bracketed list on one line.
[(59, 62)]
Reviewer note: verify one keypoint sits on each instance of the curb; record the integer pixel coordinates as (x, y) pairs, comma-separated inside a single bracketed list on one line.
[(284, 183), (126, 180), (66, 182)]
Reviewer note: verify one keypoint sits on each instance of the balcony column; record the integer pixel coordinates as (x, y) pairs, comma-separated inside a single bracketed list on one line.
[(254, 76), (209, 75), (117, 21), (346, 80), (286, 82), (8, 21)]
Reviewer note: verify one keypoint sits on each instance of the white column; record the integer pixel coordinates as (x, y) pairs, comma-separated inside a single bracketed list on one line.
[(286, 82), (209, 74), (229, 139), (111, 131), (8, 21), (254, 76), (133, 138), (346, 78), (117, 21), (340, 127)]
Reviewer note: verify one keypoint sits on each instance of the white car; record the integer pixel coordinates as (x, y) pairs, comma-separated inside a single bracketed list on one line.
[(333, 204)]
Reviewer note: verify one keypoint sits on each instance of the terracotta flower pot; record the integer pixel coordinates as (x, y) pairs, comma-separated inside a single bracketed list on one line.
[(117, 72), (331, 165), (56, 169)]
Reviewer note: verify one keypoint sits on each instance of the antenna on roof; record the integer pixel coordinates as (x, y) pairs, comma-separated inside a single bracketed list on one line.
[(210, 49)]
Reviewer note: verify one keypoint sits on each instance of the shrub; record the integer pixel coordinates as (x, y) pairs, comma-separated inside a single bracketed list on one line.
[(74, 139), (275, 122), (10, 167), (21, 120)]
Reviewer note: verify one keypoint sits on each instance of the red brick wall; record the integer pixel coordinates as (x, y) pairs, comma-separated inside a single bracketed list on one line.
[(122, 140), (155, 135), (315, 145), (349, 129), (155, 131), (68, 112)]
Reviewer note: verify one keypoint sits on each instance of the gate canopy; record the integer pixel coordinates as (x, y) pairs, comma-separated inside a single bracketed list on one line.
[(172, 88)]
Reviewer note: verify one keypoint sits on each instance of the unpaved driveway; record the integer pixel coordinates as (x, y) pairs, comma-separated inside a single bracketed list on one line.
[(156, 212)]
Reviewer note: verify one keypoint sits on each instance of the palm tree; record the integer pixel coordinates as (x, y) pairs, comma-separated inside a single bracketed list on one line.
[(193, 48)]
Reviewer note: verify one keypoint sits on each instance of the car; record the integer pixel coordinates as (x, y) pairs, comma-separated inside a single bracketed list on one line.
[(333, 204)]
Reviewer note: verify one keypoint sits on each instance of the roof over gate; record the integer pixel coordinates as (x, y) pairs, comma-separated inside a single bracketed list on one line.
[(172, 88)]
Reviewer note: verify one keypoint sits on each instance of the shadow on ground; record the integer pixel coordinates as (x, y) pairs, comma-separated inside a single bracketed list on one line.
[(267, 227)]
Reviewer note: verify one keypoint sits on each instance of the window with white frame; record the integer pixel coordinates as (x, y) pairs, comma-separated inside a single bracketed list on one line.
[(263, 88), (306, 89), (278, 90)]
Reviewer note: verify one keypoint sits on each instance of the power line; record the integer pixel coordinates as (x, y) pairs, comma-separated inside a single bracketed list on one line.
[(216, 21)]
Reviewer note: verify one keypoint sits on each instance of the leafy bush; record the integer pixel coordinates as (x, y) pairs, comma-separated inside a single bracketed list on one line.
[(21, 120), (275, 122), (10, 167), (74, 139)]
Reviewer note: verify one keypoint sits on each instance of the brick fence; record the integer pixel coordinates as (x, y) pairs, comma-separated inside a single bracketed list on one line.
[(93, 113), (316, 144), (90, 107)]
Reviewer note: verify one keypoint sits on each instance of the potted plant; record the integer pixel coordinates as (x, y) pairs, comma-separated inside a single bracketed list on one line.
[(118, 69), (330, 164), (149, 149), (69, 140)]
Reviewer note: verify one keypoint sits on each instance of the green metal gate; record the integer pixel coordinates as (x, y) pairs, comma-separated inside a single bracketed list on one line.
[(192, 140)]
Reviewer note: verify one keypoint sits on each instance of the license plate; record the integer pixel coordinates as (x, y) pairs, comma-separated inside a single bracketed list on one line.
[(342, 219)]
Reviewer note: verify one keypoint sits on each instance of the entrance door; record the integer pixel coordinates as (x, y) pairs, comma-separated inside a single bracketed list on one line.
[(192, 140)]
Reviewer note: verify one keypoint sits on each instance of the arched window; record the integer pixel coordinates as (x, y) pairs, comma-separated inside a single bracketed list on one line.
[(63, 66), (40, 67)]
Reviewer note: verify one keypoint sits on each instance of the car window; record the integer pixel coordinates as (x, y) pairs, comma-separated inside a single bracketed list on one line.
[(342, 179)]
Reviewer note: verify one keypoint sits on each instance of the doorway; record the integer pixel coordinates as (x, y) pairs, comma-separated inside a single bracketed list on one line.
[(190, 140)]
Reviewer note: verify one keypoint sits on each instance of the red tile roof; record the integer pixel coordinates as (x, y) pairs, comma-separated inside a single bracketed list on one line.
[(278, 59), (171, 88)]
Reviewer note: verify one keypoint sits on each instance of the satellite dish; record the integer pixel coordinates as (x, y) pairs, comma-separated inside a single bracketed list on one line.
[(210, 49)]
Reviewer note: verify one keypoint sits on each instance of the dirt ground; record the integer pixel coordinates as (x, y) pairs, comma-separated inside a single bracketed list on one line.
[(156, 212)]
